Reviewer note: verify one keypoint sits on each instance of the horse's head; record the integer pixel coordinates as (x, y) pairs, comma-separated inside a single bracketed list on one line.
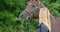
[(31, 11)]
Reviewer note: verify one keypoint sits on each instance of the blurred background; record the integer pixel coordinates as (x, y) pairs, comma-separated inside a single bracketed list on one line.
[(10, 10)]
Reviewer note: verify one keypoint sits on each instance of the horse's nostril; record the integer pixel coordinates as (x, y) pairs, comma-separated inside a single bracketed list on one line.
[(21, 15)]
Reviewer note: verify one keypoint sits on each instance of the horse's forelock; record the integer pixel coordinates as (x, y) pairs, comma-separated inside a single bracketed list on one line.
[(30, 3)]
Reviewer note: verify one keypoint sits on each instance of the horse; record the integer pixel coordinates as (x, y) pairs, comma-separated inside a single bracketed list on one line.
[(36, 9), (31, 11)]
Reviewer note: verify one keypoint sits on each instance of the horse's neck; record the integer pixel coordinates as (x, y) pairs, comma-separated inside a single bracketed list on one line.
[(58, 19), (41, 5), (55, 24), (55, 18)]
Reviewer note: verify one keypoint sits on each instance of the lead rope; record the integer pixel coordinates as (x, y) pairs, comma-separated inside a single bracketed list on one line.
[(27, 25)]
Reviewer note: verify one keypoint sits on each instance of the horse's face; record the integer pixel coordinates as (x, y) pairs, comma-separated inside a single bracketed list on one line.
[(32, 10)]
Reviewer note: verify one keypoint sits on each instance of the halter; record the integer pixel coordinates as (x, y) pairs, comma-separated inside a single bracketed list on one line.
[(30, 13), (27, 22)]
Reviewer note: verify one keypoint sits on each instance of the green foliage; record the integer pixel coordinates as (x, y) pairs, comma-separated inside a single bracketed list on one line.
[(10, 10)]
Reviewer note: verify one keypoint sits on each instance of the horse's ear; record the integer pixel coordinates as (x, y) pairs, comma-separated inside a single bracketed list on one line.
[(33, 0), (29, 1), (37, 0)]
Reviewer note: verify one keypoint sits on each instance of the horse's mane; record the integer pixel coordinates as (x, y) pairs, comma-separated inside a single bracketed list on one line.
[(58, 19)]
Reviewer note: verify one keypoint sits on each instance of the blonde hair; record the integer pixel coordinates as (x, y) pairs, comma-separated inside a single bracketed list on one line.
[(44, 17)]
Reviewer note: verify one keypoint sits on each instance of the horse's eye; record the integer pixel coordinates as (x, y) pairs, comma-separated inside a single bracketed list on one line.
[(33, 6)]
